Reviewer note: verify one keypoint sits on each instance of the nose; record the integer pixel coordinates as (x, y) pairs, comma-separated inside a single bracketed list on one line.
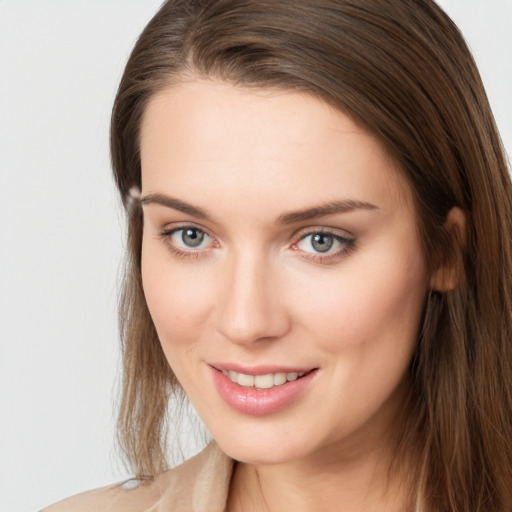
[(250, 307)]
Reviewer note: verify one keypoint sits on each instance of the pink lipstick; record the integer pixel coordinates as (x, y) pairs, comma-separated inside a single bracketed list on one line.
[(261, 390)]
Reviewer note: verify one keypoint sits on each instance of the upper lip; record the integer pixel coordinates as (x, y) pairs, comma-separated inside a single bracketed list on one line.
[(261, 369)]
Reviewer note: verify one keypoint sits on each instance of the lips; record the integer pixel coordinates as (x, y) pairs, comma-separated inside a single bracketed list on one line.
[(262, 390)]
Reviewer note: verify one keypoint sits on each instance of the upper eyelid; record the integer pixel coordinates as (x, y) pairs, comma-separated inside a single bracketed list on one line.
[(169, 226), (172, 228), (312, 230)]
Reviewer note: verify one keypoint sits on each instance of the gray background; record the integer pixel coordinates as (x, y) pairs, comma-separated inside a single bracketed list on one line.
[(61, 230)]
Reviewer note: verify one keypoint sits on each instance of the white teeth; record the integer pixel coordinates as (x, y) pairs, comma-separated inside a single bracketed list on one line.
[(266, 381), (279, 378), (245, 380)]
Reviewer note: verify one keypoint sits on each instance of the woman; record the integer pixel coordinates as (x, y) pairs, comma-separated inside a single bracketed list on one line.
[(320, 258)]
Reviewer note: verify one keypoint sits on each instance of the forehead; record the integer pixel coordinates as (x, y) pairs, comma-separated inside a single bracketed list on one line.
[(220, 140)]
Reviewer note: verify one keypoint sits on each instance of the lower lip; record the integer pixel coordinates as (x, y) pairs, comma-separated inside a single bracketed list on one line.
[(257, 402)]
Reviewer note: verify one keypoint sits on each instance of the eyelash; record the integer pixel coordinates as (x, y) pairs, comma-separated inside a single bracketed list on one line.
[(166, 237), (348, 244)]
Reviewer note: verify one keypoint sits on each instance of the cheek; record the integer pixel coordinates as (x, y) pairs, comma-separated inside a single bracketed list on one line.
[(377, 303), (178, 296), (365, 324)]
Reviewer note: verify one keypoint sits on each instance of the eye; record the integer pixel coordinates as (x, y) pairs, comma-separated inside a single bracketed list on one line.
[(191, 237), (321, 242), (321, 245), (186, 241)]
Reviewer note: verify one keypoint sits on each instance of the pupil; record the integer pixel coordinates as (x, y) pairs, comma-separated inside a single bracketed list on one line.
[(192, 237), (322, 242)]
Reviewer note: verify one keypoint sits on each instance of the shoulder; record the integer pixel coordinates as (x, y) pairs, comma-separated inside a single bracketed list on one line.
[(201, 479), (131, 495)]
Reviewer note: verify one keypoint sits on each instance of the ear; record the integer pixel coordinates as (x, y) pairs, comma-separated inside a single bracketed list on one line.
[(446, 277)]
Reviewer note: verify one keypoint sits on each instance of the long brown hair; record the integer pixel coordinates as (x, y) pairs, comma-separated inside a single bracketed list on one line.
[(402, 70)]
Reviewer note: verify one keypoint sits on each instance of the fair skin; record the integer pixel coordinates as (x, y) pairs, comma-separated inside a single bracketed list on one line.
[(338, 293)]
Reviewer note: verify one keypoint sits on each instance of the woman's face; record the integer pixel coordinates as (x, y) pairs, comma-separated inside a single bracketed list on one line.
[(279, 239)]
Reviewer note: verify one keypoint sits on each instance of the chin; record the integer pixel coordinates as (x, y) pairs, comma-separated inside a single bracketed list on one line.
[(262, 449)]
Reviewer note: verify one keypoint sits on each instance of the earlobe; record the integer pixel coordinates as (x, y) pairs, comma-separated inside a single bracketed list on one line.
[(447, 275)]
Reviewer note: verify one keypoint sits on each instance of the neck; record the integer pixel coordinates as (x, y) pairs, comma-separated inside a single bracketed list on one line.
[(366, 484)]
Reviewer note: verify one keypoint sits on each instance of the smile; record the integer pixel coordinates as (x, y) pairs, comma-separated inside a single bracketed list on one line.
[(264, 390), (266, 381)]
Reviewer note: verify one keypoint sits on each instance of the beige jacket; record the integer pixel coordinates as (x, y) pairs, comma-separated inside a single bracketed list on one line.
[(198, 485)]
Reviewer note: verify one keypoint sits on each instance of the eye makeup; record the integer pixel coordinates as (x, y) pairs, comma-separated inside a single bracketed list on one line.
[(320, 245)]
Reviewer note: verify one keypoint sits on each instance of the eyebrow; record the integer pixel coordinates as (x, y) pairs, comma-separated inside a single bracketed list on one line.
[(323, 210), (175, 204), (315, 212)]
